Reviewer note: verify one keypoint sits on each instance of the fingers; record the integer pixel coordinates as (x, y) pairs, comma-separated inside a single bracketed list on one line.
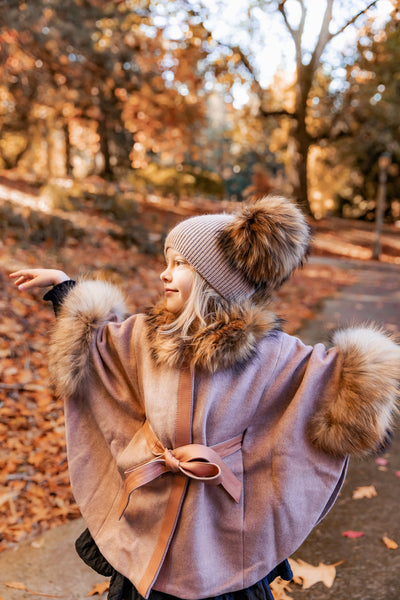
[(28, 284), (20, 273), (26, 279), (20, 280), (29, 273)]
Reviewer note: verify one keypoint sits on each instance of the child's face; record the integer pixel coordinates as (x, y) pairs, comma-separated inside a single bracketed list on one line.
[(178, 280)]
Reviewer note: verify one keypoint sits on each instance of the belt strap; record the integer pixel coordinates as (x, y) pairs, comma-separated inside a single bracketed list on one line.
[(185, 461), (195, 461)]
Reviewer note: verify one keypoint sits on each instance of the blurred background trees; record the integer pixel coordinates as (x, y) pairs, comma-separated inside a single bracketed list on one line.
[(189, 97)]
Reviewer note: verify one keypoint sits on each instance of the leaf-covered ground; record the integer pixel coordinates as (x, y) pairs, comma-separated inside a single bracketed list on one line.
[(34, 487)]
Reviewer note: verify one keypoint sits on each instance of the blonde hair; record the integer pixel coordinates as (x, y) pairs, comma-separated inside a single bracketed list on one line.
[(199, 310)]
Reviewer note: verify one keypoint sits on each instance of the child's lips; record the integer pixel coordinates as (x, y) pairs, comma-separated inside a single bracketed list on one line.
[(169, 291)]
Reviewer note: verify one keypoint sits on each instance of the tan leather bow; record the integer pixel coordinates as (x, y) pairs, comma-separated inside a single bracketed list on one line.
[(195, 461)]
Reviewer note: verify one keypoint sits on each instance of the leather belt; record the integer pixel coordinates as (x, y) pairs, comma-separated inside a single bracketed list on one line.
[(196, 461)]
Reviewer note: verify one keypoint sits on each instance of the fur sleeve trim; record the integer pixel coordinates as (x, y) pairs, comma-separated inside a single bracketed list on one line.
[(89, 306), (355, 419)]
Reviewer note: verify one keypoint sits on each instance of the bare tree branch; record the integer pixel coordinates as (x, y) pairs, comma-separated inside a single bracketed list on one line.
[(295, 33), (324, 36), (353, 20), (281, 8), (332, 132), (329, 137), (277, 113), (303, 18), (243, 58)]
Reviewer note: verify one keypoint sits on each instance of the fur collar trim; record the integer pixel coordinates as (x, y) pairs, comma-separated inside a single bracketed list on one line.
[(228, 341)]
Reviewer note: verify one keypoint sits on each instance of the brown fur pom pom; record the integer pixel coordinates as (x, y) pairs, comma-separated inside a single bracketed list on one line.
[(266, 242)]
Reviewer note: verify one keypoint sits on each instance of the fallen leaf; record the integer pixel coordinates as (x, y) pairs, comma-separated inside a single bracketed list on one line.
[(17, 585), (307, 575), (389, 543), (352, 534), (366, 491), (278, 588), (7, 497), (381, 461), (38, 543), (99, 589), (397, 473)]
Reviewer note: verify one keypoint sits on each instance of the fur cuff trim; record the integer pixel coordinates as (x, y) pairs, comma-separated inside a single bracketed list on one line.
[(87, 307), (355, 421)]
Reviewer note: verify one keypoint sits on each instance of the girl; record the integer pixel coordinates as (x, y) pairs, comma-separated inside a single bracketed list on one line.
[(204, 444)]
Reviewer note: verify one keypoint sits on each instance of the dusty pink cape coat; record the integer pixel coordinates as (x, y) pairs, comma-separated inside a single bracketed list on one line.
[(186, 537)]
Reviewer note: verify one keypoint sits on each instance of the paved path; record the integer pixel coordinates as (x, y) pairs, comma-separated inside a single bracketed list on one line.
[(370, 572), (48, 565), (375, 297)]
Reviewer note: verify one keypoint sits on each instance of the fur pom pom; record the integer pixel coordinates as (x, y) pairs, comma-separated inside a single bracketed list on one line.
[(266, 241), (356, 420)]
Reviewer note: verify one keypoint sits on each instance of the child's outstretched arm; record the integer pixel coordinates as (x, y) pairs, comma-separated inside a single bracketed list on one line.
[(28, 279)]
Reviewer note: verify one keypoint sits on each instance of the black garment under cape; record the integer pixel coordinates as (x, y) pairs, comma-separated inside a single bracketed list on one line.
[(122, 589)]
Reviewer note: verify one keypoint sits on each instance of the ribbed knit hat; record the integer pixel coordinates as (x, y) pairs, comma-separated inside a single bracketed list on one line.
[(255, 250)]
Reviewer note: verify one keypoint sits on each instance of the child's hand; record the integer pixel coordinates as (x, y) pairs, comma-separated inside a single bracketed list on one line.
[(27, 279)]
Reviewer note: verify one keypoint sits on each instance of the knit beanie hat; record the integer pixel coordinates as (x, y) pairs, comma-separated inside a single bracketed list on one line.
[(255, 250)]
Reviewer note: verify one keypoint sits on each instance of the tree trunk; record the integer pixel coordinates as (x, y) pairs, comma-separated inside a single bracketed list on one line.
[(105, 111), (104, 149), (301, 136), (49, 126), (67, 143), (302, 150)]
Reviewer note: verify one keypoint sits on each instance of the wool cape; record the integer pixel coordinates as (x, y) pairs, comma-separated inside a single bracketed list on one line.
[(298, 411)]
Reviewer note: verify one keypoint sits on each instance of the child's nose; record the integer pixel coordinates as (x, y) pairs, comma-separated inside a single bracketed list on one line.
[(165, 275)]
